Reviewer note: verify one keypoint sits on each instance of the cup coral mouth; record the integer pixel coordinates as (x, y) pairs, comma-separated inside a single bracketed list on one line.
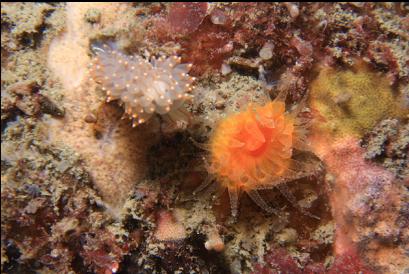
[(259, 144)]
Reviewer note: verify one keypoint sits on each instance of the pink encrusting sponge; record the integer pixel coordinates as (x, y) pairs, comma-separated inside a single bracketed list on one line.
[(144, 87)]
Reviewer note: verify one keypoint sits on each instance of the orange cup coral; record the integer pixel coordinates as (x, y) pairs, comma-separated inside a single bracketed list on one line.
[(250, 147), (253, 150)]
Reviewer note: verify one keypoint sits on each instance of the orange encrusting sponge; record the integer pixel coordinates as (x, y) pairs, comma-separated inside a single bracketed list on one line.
[(252, 148)]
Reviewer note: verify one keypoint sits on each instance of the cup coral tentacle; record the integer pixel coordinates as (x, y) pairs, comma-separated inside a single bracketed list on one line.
[(253, 150)]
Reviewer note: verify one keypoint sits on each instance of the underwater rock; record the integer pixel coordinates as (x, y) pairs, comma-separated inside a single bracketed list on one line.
[(83, 192), (388, 144)]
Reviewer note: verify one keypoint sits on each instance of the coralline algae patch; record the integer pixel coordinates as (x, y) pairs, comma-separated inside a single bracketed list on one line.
[(353, 101), (144, 87), (368, 205)]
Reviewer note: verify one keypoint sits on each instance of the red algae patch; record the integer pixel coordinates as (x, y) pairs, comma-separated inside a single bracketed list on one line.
[(207, 47), (185, 17)]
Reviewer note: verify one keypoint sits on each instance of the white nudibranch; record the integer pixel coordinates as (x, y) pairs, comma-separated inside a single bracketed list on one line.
[(143, 87)]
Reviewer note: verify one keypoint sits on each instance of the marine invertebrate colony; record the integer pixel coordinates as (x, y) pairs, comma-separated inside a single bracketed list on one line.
[(353, 101), (253, 150), (144, 87)]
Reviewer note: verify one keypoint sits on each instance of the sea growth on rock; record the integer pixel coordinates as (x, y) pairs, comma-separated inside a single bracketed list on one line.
[(353, 101), (144, 87)]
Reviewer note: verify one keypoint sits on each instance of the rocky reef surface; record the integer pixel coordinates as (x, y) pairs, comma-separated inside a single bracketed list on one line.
[(82, 191)]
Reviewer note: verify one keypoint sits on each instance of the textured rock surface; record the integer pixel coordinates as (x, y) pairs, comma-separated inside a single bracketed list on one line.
[(83, 192)]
